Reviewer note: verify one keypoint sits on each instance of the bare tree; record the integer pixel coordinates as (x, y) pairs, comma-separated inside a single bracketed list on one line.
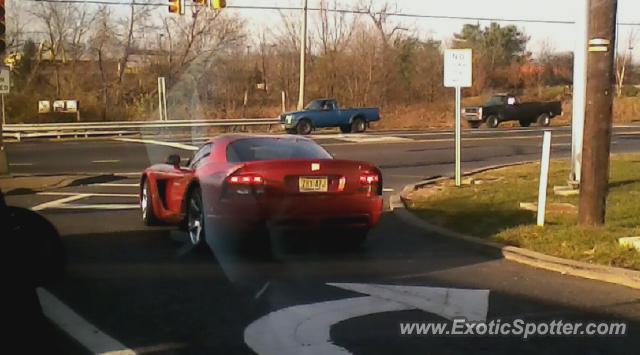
[(57, 20), (132, 24), (15, 25), (102, 40), (386, 31), (623, 58), (335, 31)]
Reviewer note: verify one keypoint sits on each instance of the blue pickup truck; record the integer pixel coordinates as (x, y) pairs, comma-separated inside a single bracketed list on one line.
[(323, 113)]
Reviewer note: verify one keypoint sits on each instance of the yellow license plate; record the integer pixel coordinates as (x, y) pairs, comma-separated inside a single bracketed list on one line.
[(313, 184)]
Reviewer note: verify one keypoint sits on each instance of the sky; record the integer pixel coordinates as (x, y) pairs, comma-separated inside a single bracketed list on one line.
[(561, 37)]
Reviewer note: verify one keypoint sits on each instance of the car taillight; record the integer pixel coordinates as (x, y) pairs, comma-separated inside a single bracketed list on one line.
[(248, 179), (244, 184), (371, 182), (369, 178)]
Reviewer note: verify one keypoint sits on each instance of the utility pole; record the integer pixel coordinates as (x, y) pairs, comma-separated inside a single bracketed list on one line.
[(303, 51), (598, 113)]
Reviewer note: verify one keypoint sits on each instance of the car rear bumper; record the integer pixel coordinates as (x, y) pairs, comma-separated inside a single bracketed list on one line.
[(301, 212), (473, 118)]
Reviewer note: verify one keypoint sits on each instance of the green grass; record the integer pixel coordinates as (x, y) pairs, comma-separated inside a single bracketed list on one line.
[(491, 211)]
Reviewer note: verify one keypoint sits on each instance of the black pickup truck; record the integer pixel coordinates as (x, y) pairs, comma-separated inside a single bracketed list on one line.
[(506, 107)]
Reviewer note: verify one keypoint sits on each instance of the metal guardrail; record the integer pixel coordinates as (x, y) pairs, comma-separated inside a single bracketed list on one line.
[(90, 129)]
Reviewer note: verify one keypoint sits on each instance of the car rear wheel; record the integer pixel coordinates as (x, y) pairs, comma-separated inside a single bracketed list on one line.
[(195, 218), (146, 205), (525, 123), (304, 127), (358, 125), (493, 122), (544, 120)]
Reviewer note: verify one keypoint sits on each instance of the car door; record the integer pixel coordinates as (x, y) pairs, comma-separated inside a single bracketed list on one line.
[(182, 176), (336, 116), (323, 116), (511, 109)]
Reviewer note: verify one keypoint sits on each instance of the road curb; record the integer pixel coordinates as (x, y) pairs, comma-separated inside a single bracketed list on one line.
[(614, 275)]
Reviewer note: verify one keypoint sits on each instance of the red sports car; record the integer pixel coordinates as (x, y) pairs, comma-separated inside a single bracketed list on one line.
[(245, 182)]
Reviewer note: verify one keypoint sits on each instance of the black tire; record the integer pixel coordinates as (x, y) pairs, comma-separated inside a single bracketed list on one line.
[(474, 124), (544, 120), (345, 129), (525, 123), (146, 205), (358, 125), (492, 121), (195, 218), (304, 127)]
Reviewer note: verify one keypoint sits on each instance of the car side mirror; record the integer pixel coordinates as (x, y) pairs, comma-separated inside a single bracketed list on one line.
[(174, 159)]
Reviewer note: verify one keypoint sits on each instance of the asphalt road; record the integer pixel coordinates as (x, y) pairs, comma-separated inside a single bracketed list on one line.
[(144, 288)]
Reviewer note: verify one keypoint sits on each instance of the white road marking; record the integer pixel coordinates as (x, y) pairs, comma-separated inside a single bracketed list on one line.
[(305, 329), (262, 290), (103, 206), (163, 143), (277, 333), (20, 164), (58, 203), (108, 184), (374, 139), (87, 194), (92, 338), (113, 161), (449, 303), (448, 140)]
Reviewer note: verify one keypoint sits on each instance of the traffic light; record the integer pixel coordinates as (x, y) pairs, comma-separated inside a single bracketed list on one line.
[(3, 28), (176, 6), (218, 4)]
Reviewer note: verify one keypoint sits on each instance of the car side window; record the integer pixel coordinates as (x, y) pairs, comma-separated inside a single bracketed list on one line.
[(200, 155)]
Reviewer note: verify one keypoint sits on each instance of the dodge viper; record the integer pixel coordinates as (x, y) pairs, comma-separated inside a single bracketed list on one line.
[(246, 182)]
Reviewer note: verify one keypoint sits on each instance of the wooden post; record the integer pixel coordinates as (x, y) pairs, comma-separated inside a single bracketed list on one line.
[(599, 111)]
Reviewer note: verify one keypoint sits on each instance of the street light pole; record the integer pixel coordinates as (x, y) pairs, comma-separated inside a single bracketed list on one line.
[(303, 50)]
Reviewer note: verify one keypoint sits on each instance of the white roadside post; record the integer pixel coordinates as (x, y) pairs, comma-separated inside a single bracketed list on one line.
[(544, 177), (5, 87), (579, 89), (162, 99), (458, 67)]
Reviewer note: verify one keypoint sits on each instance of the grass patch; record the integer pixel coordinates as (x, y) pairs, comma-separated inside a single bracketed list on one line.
[(491, 210)]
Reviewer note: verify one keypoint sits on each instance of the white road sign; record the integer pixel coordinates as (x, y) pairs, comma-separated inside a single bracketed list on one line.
[(44, 106), (458, 67), (5, 84)]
